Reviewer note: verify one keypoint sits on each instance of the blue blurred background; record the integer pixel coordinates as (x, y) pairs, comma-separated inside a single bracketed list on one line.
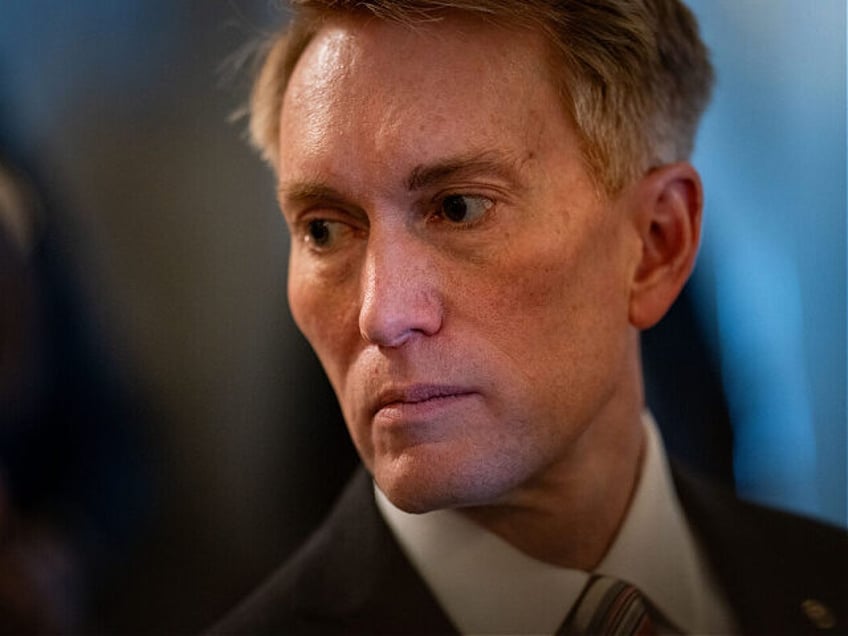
[(771, 282), (165, 225)]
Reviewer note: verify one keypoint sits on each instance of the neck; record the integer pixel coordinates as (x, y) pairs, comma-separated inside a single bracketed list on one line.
[(570, 516)]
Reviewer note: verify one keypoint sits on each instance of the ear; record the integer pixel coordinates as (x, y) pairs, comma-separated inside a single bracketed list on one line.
[(668, 204)]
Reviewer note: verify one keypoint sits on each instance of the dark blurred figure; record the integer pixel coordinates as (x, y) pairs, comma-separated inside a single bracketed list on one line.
[(73, 486), (38, 573)]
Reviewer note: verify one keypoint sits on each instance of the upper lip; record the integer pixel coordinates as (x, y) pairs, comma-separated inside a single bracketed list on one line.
[(412, 393)]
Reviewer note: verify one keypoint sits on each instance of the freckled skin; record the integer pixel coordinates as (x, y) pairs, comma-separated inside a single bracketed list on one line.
[(527, 309)]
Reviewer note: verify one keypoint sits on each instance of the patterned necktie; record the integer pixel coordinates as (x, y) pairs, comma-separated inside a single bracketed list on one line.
[(608, 607)]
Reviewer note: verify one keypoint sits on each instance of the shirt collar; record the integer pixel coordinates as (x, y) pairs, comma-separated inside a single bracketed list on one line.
[(484, 584), (487, 586), (656, 551)]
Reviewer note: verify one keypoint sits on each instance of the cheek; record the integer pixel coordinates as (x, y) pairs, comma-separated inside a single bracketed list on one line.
[(523, 296), (551, 311), (327, 315), (325, 311), (303, 301)]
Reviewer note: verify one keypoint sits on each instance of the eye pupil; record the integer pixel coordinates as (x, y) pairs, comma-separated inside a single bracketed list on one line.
[(455, 208), (319, 232)]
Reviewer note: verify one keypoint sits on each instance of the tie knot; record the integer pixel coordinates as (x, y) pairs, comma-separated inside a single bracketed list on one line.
[(608, 607)]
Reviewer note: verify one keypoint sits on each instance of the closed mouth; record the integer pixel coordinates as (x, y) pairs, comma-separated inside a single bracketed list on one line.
[(418, 393)]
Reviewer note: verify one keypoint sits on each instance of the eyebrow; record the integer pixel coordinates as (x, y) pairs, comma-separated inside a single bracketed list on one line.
[(306, 191), (466, 167), (421, 177), (303, 194)]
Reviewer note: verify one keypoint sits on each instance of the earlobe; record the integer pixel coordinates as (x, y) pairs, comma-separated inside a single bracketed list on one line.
[(668, 206)]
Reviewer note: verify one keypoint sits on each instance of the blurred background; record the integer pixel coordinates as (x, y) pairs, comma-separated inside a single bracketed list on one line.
[(166, 437)]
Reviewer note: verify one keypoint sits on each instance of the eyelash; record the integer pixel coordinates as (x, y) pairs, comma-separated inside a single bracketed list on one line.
[(440, 215), (435, 214), (305, 228)]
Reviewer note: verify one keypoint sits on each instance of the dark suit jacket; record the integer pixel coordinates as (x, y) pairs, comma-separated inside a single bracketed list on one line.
[(352, 578)]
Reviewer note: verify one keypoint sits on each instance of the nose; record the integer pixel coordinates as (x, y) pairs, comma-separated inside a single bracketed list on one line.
[(400, 296)]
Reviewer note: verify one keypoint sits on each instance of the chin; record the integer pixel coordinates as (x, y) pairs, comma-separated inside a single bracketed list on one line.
[(417, 486)]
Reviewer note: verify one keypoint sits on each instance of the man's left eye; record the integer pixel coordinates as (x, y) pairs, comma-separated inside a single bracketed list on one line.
[(460, 208)]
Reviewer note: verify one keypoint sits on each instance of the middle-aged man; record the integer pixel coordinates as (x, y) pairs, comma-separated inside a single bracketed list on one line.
[(488, 200)]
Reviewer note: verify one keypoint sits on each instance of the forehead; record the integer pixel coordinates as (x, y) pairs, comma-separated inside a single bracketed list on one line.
[(461, 38), (455, 85)]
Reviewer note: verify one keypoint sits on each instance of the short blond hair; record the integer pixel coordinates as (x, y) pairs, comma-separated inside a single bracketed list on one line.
[(634, 75)]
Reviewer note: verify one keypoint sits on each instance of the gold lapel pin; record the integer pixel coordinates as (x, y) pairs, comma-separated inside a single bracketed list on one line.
[(819, 614)]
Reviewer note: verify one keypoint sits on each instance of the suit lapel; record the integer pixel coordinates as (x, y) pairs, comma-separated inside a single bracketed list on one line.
[(768, 563), (375, 590), (771, 565)]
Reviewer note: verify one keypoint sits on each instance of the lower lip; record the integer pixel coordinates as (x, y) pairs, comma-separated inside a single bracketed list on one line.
[(410, 412)]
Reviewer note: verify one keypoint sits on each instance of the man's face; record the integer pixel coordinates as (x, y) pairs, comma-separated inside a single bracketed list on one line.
[(461, 280)]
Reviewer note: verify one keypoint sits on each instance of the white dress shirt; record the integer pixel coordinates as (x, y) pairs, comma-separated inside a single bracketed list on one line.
[(486, 586)]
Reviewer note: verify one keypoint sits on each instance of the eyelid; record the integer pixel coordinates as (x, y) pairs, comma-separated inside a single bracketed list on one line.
[(321, 207), (342, 224), (491, 199), (484, 190), (331, 212)]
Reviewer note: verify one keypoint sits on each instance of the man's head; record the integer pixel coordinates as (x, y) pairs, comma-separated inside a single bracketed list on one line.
[(473, 295), (633, 74)]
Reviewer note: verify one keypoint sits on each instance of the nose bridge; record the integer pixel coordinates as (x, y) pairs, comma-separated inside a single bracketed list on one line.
[(400, 296)]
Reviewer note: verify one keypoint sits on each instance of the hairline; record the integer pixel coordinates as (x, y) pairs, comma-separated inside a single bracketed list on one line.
[(626, 121), (308, 23)]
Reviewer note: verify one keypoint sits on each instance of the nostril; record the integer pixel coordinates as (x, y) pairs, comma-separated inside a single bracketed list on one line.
[(397, 306), (392, 324)]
